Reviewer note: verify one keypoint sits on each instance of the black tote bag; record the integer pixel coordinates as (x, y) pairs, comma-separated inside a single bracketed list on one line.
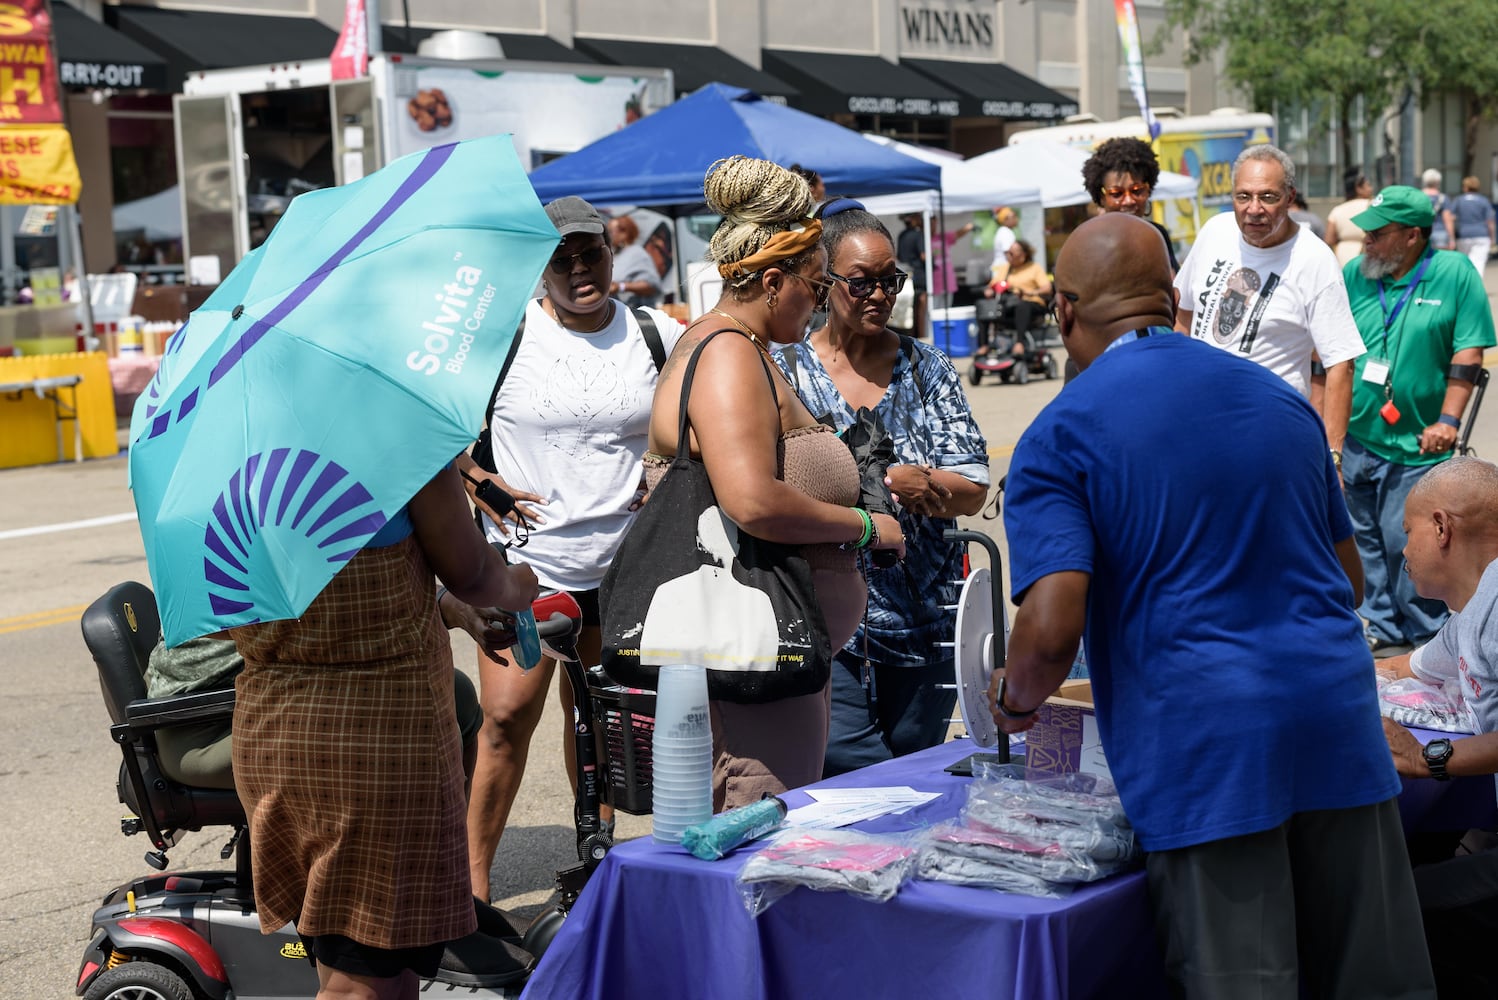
[(688, 586)]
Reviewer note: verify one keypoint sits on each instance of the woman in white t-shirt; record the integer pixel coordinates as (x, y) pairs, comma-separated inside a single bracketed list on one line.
[(568, 432)]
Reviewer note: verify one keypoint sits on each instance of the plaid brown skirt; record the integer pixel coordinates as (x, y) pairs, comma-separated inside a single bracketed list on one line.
[(347, 759)]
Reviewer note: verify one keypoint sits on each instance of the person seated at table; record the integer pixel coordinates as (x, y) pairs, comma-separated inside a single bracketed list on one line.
[(1024, 292), (1451, 553), (200, 756), (1218, 590)]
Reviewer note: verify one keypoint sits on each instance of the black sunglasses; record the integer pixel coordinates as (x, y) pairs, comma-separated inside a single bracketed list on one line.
[(562, 263), (862, 288)]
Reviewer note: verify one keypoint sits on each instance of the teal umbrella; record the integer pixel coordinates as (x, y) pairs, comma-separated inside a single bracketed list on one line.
[(329, 377)]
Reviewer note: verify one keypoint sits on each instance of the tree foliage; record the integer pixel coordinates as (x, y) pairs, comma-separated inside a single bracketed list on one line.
[(1328, 53)]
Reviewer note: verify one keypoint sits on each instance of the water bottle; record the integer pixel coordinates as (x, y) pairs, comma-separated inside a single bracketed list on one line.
[(529, 642)]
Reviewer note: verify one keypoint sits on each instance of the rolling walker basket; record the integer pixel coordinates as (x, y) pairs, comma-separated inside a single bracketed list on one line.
[(624, 723)]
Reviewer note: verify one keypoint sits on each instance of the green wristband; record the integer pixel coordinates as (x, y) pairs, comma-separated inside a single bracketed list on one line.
[(868, 529)]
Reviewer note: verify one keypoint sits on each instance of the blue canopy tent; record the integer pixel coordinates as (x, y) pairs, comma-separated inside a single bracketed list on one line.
[(660, 160)]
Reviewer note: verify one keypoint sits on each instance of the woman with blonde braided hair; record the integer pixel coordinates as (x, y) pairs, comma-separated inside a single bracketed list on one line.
[(777, 473)]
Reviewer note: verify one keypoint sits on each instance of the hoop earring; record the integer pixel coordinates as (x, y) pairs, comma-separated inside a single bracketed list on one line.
[(771, 299)]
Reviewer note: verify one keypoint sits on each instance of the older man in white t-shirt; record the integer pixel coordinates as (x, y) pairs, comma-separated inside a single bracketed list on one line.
[(1254, 285)]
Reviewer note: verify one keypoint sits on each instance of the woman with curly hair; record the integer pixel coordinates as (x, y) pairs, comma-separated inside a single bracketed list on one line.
[(1120, 176)]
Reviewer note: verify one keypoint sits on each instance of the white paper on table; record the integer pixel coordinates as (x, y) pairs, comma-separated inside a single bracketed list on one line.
[(838, 807), (893, 793)]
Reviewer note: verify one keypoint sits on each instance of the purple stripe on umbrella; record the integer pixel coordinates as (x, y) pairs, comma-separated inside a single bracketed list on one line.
[(326, 480), (217, 547), (224, 606), (186, 407), (365, 527), (424, 172), (355, 496), (218, 576), (221, 514), (343, 557), (268, 482), (236, 496), (299, 469)]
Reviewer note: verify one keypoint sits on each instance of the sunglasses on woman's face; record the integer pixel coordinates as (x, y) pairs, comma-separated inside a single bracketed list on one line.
[(819, 288), (862, 287), (563, 263)]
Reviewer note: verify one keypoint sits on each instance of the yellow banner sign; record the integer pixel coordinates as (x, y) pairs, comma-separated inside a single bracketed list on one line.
[(37, 166)]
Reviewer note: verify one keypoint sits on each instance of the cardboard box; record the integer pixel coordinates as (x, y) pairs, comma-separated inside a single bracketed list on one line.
[(1065, 737)]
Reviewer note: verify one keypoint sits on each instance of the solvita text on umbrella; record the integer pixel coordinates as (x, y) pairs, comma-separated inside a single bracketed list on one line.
[(452, 301)]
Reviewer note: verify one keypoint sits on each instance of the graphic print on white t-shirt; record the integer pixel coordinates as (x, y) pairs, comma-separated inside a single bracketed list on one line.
[(1240, 300), (582, 394)]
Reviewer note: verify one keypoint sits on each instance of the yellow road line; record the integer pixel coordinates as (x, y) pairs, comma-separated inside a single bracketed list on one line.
[(75, 611), (63, 618), (1003, 451)]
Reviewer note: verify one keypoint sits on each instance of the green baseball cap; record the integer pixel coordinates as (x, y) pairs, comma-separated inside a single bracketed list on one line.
[(1397, 203)]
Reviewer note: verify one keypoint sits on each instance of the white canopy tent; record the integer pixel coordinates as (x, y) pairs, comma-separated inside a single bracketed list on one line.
[(962, 191), (159, 216)]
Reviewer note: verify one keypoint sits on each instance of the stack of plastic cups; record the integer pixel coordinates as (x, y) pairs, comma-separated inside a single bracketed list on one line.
[(682, 753)]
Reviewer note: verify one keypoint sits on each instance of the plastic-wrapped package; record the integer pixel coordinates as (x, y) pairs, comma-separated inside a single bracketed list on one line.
[(1064, 797), (1411, 701), (870, 865), (1035, 837), (939, 866), (1046, 859)]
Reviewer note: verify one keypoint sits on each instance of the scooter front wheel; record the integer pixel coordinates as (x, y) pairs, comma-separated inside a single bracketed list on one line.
[(140, 980)]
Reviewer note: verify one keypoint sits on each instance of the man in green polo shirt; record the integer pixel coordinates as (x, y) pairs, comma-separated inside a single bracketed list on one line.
[(1425, 321)]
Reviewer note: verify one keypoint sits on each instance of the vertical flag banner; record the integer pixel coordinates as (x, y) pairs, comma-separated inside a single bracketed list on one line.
[(28, 66), (351, 54), (37, 166), (1133, 50)]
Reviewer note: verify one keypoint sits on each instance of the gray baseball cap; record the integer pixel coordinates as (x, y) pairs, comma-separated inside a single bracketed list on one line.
[(573, 215)]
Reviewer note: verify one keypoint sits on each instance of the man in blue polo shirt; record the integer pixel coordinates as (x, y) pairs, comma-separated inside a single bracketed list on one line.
[(1197, 530), (1425, 320)]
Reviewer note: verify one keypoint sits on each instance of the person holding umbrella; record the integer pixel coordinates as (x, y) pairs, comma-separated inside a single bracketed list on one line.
[(291, 465)]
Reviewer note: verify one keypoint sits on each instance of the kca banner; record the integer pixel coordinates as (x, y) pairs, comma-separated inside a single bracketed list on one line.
[(28, 66)]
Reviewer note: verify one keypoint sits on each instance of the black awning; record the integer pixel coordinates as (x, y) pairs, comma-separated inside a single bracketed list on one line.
[(198, 40), (840, 83), (91, 54), (691, 66), (993, 90), (531, 48)]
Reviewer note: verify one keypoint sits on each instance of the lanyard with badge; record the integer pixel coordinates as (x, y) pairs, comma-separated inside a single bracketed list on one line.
[(1379, 370)]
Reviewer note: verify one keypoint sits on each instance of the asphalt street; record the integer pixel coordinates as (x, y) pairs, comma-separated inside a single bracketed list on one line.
[(67, 534)]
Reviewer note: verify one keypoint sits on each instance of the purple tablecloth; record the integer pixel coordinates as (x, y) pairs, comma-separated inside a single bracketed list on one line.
[(655, 921)]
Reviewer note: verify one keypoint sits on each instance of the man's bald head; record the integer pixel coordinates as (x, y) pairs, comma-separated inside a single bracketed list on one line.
[(1463, 485), (1114, 274)]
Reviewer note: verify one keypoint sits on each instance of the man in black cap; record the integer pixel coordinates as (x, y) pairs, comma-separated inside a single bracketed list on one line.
[(1425, 321)]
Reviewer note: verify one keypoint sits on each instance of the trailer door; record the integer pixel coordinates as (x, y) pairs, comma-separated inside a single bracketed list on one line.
[(210, 166), (356, 130)]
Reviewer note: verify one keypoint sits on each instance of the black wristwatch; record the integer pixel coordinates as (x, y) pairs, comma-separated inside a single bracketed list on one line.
[(1005, 710), (1437, 753)]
